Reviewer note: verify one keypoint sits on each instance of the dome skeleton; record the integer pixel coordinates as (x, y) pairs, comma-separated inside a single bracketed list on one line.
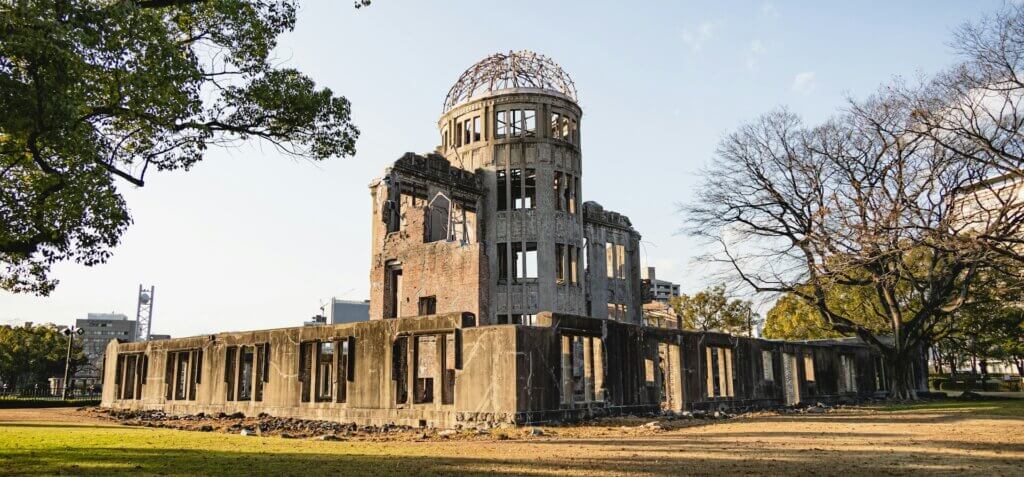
[(520, 69)]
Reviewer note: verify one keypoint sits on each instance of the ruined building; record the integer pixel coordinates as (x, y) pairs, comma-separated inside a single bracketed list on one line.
[(498, 295)]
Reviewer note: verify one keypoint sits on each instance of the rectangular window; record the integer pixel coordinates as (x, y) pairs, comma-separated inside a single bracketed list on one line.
[(393, 292), (400, 369), (516, 122), (467, 132), (428, 305), (502, 262), (516, 184), (181, 376), (560, 264), (324, 371), (719, 375), (246, 365), (130, 375), (529, 122), (556, 126), (502, 190), (500, 124), (568, 195), (450, 355), (766, 363), (230, 360), (620, 261), (574, 269), (809, 367), (345, 348), (558, 186), (529, 199), (609, 258), (426, 369), (525, 259), (305, 369), (477, 130), (262, 369)]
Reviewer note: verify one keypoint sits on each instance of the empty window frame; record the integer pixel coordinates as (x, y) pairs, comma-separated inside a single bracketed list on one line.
[(324, 383), (503, 261), (502, 189), (566, 268), (524, 188), (239, 367), (809, 367), (346, 367), (306, 349), (515, 122), (620, 261), (438, 220), (131, 372), (718, 371), (393, 291), (609, 258), (428, 305), (767, 363), (182, 374), (569, 193), (561, 263), (847, 374), (426, 369), (881, 374), (262, 370), (477, 130), (524, 255), (400, 368), (558, 185), (450, 357)]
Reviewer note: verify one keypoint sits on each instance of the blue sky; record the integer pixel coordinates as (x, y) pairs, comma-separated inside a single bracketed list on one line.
[(248, 239)]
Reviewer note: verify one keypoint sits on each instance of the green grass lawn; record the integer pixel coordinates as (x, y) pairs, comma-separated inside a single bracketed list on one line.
[(42, 448), (991, 407)]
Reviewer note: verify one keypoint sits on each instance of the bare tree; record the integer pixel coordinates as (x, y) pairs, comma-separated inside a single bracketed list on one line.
[(867, 201), (976, 109)]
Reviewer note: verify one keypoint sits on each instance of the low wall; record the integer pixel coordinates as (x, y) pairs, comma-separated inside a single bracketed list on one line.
[(444, 371)]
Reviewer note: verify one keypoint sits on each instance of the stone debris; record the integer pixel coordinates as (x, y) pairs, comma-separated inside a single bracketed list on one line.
[(536, 432)]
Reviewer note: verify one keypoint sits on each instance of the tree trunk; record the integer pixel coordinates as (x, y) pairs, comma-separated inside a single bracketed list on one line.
[(902, 384)]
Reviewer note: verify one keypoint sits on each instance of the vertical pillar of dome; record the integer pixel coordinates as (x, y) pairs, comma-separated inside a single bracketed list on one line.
[(524, 142)]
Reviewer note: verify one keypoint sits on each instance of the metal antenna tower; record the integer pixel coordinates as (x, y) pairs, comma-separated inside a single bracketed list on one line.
[(144, 313)]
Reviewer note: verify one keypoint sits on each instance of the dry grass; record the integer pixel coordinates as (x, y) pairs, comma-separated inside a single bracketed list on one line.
[(984, 438)]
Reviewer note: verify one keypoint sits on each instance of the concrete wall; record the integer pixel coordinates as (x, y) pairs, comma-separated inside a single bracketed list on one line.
[(566, 368)]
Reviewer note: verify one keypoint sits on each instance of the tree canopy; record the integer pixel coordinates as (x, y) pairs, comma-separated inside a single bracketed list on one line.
[(30, 355), (100, 92), (711, 309)]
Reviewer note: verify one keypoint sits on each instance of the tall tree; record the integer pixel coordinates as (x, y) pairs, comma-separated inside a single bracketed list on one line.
[(898, 196), (711, 309), (864, 202), (96, 92), (30, 355)]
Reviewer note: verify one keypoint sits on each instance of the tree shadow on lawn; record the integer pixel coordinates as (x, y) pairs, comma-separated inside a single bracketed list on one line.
[(659, 457)]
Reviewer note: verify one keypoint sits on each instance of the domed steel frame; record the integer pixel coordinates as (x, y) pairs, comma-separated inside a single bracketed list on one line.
[(519, 69)]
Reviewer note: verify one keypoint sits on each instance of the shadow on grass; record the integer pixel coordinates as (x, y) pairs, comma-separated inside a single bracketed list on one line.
[(684, 455)]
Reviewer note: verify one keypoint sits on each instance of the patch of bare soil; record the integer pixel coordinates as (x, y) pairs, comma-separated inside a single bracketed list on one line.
[(68, 415)]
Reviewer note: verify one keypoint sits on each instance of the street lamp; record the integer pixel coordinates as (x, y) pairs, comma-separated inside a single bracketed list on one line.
[(70, 332)]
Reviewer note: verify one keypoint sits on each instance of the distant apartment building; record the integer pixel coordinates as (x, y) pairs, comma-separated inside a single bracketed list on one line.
[(341, 311), (659, 290), (98, 330)]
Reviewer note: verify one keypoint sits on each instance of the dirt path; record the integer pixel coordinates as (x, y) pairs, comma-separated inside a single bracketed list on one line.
[(68, 415)]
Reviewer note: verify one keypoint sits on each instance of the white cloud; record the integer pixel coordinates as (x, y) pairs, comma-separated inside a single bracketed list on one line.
[(757, 49), (769, 10), (695, 38), (804, 82)]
